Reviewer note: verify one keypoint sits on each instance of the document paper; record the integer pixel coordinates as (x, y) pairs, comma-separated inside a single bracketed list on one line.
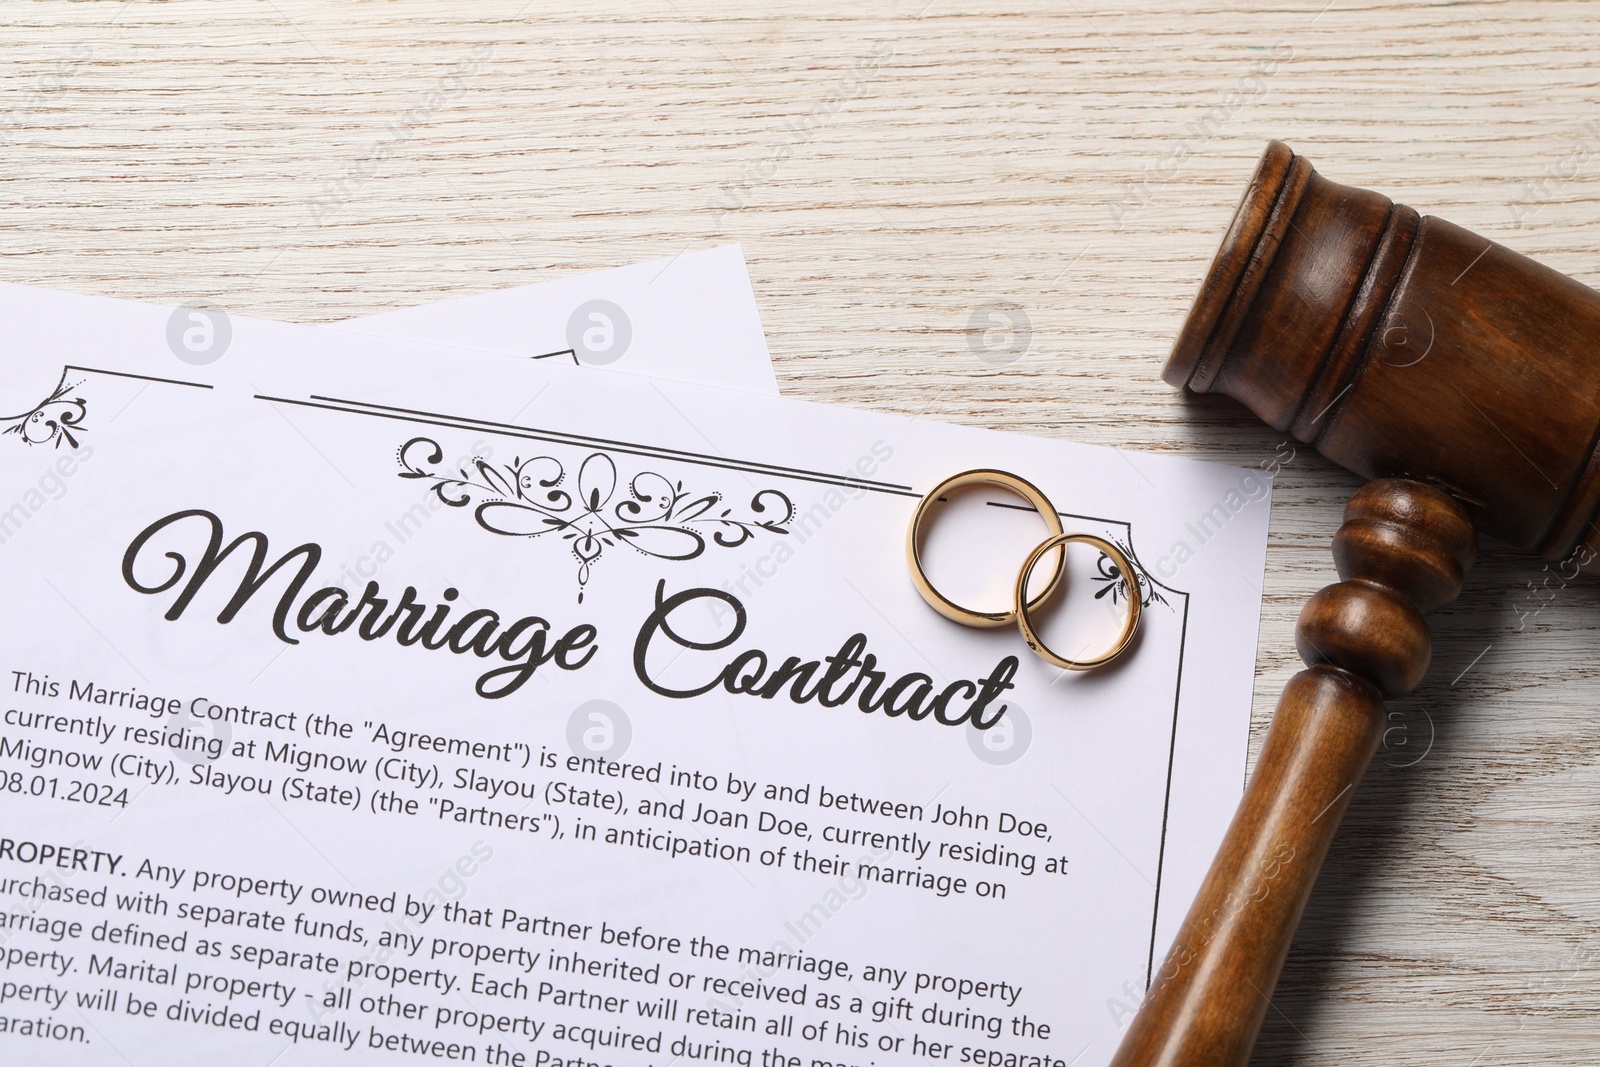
[(369, 699), (691, 317)]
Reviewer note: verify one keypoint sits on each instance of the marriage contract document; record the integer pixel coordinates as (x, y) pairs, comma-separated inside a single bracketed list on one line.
[(365, 699)]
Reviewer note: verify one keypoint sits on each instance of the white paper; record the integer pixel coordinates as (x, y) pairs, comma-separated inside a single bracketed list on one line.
[(629, 319), (315, 437)]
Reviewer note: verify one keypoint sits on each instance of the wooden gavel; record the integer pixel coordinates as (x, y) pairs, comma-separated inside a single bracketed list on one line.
[(1465, 379)]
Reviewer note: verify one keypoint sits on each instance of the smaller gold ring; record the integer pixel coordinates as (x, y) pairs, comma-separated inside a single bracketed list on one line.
[(937, 600), (1025, 624)]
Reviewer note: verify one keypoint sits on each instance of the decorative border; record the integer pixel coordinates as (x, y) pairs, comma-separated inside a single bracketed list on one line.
[(59, 416), (1113, 580), (1115, 584), (419, 417)]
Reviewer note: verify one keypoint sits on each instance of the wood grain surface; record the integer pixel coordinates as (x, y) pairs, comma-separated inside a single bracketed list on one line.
[(902, 176)]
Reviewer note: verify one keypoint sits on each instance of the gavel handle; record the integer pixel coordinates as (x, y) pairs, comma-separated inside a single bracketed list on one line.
[(1209, 998), (1402, 550)]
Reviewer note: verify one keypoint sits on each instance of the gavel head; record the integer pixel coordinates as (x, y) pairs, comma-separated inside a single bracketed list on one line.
[(1404, 346)]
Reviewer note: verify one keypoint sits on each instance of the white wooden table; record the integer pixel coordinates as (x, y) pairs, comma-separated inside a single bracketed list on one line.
[(893, 168)]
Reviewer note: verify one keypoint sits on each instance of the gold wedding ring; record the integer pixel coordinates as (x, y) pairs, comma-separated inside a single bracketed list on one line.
[(943, 604), (1021, 606), (1025, 624)]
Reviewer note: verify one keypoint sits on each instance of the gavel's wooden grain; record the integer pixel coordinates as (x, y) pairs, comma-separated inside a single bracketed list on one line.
[(1402, 550), (1456, 917), (1400, 344), (1297, 318)]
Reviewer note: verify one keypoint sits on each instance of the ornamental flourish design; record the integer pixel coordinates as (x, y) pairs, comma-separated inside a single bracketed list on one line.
[(650, 513), (1113, 582), (56, 418)]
